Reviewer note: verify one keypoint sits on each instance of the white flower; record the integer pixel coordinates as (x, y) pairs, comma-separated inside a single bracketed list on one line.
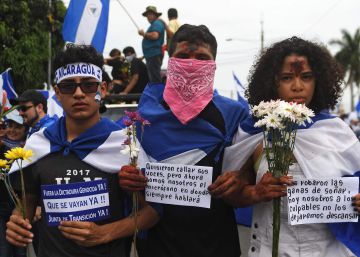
[(273, 121)]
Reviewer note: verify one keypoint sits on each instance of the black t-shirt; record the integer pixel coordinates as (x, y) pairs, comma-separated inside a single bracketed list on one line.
[(185, 231), (119, 68), (138, 67), (59, 169)]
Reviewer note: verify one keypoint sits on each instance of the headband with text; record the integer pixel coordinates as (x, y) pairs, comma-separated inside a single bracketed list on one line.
[(78, 69)]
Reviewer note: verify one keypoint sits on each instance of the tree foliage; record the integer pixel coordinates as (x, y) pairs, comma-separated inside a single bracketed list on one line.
[(24, 37), (349, 58)]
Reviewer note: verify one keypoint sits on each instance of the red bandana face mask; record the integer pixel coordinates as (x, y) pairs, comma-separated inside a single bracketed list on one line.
[(189, 87)]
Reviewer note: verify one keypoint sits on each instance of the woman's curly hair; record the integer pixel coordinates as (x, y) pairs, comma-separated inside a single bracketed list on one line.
[(328, 76)]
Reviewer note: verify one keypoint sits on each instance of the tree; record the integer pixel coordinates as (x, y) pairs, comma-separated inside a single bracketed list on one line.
[(24, 35), (349, 58)]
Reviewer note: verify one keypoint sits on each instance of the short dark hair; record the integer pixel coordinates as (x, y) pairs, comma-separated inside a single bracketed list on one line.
[(328, 76), (114, 52), (78, 53), (172, 13), (33, 96), (128, 49), (195, 35)]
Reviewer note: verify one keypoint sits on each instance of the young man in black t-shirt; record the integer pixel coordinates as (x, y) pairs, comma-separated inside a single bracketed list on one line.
[(138, 76), (73, 174)]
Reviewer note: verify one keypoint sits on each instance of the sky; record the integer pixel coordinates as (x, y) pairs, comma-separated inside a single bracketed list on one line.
[(236, 24)]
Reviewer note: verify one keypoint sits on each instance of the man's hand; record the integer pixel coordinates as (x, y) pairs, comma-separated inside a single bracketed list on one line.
[(18, 230), (131, 179), (37, 215), (141, 32), (226, 185), (83, 233), (356, 202)]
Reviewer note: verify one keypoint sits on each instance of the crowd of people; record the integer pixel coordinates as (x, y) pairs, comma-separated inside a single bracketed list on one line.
[(190, 125)]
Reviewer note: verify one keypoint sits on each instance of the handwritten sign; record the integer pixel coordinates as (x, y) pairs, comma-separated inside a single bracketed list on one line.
[(178, 184), (84, 201), (322, 200)]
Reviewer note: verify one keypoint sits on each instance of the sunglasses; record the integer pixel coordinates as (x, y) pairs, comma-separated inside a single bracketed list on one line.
[(24, 108), (87, 87)]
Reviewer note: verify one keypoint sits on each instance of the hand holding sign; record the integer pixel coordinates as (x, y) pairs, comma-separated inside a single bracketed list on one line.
[(86, 233)]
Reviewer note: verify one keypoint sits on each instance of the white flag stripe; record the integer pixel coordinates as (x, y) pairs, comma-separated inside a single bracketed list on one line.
[(89, 21), (75, 204)]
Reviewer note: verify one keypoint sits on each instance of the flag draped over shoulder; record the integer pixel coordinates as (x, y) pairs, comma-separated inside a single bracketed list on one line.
[(326, 148), (99, 146), (86, 22)]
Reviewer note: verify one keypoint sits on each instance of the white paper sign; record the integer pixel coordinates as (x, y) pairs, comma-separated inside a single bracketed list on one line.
[(178, 184), (322, 200)]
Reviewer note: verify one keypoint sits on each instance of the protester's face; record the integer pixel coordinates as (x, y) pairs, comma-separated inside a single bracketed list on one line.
[(184, 50), (3, 129), (296, 81), (29, 112), (15, 131), (151, 17), (80, 105)]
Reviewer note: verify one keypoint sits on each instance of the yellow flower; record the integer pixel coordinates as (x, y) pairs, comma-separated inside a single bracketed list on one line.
[(18, 153), (4, 164)]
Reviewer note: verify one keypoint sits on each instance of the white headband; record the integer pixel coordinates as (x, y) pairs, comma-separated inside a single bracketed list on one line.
[(78, 69)]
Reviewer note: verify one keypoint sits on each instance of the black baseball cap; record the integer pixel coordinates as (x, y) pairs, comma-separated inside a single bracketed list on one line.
[(30, 95)]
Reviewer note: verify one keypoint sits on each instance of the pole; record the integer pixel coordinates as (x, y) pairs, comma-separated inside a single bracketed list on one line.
[(49, 51), (128, 14)]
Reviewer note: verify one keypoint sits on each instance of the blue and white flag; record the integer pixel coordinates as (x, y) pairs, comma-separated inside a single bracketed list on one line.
[(240, 89), (325, 148), (54, 107), (100, 146), (357, 108), (86, 22), (6, 84)]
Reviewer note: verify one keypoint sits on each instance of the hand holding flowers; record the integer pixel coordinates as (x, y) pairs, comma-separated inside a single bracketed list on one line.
[(280, 120), (133, 148)]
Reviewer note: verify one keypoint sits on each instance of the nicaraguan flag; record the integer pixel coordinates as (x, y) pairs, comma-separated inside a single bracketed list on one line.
[(100, 146), (240, 89), (54, 107), (6, 84), (86, 22), (326, 148)]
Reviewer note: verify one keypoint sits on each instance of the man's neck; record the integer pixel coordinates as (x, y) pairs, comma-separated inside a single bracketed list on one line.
[(75, 128)]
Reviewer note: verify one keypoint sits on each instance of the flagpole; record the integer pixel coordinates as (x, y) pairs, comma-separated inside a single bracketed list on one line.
[(128, 14), (49, 50)]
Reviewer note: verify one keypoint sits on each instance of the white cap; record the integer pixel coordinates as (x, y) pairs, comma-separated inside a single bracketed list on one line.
[(14, 116)]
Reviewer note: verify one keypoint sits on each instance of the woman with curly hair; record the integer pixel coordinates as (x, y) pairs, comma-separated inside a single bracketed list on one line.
[(296, 70)]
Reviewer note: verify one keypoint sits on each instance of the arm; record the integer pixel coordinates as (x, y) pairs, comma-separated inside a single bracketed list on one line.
[(18, 229), (153, 35), (239, 188), (134, 79), (89, 234), (169, 32)]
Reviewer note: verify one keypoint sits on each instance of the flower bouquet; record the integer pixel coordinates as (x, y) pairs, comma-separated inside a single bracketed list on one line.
[(16, 154), (279, 120), (132, 148)]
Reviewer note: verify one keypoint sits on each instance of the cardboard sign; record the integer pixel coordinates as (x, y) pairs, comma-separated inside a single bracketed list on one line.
[(84, 201), (178, 184), (322, 200)]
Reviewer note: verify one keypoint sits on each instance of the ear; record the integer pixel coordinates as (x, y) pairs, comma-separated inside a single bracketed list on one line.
[(103, 89), (57, 93)]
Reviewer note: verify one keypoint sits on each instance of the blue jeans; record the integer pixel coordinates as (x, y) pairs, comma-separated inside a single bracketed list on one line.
[(6, 249), (153, 65)]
